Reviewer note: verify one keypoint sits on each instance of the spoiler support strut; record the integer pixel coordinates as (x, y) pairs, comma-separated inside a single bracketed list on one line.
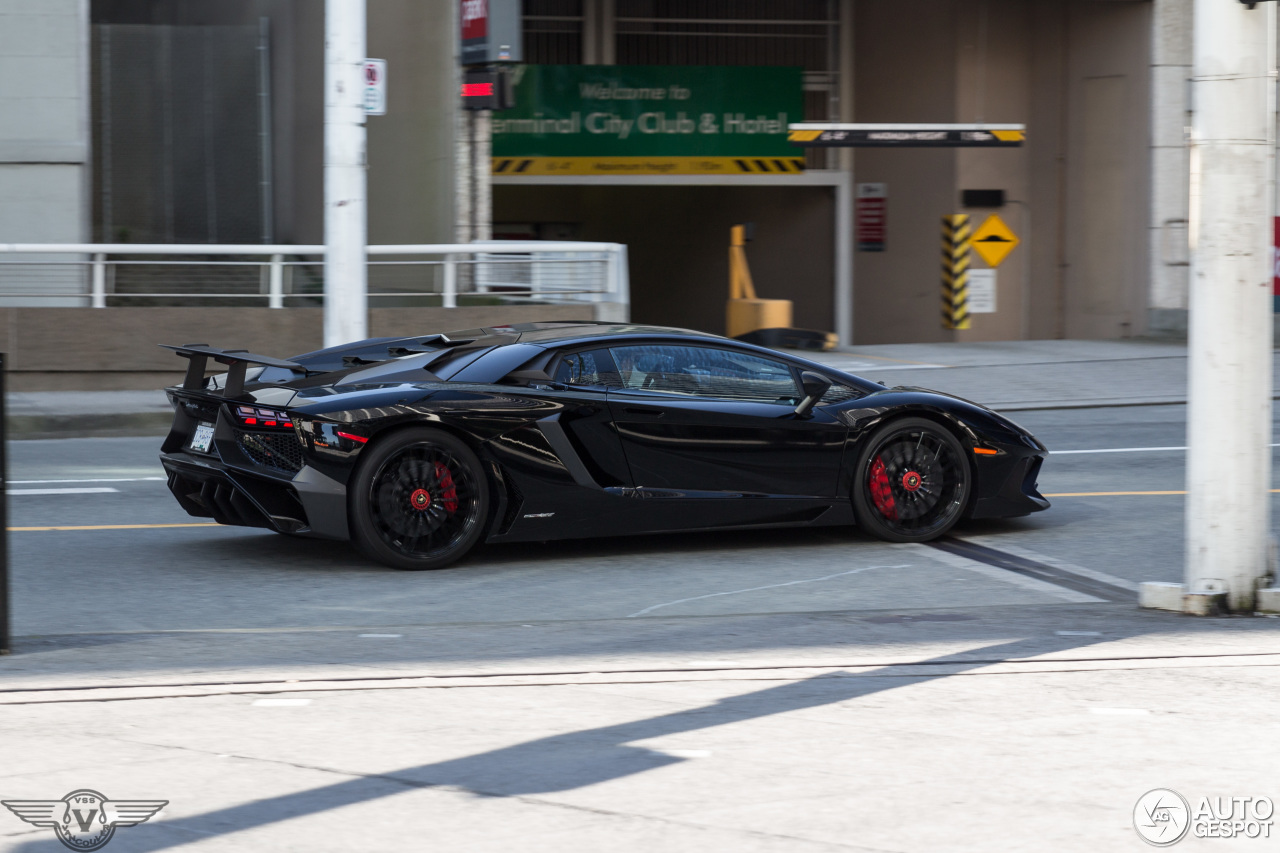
[(237, 361)]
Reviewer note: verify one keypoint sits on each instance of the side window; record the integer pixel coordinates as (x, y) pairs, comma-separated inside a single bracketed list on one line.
[(839, 394), (705, 372), (584, 368)]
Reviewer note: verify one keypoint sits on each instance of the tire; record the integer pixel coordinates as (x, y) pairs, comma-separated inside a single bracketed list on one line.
[(912, 481), (418, 499)]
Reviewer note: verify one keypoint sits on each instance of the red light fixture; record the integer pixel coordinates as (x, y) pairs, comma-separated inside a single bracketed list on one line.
[(263, 418)]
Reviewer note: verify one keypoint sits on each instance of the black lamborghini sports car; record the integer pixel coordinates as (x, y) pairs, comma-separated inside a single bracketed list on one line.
[(417, 448)]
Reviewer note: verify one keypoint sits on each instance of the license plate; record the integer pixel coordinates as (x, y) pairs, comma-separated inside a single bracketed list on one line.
[(202, 439)]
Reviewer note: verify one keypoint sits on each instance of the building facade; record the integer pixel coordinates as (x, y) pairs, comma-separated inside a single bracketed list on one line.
[(197, 121)]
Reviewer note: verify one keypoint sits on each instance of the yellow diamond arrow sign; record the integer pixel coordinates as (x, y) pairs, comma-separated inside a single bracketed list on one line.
[(994, 241)]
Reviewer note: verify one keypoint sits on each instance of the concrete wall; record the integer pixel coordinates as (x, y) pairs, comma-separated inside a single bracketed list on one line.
[(410, 149), (1170, 166), (1108, 170), (54, 349), (44, 140), (905, 68), (996, 48), (678, 239), (1076, 73)]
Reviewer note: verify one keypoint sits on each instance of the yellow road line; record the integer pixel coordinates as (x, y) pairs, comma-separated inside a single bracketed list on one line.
[(110, 527), (1117, 494)]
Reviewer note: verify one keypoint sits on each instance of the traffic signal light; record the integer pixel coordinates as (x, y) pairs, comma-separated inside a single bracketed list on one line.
[(487, 89)]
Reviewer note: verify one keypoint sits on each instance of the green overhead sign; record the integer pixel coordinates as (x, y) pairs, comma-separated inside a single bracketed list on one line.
[(601, 119)]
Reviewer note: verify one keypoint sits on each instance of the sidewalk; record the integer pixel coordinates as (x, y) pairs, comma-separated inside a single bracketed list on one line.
[(1025, 375), (1008, 375), (891, 732)]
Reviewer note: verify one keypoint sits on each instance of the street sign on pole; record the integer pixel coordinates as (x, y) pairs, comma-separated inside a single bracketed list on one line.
[(375, 87), (492, 31)]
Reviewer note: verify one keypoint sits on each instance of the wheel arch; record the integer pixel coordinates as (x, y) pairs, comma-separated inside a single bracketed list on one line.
[(499, 484), (944, 419)]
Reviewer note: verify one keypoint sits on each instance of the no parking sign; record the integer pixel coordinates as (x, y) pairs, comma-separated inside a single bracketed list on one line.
[(375, 87)]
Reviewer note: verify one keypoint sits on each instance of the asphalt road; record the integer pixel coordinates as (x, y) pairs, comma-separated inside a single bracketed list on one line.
[(209, 577), (762, 691)]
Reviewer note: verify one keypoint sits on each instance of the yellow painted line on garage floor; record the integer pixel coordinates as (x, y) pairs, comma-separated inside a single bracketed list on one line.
[(1119, 494), (108, 527)]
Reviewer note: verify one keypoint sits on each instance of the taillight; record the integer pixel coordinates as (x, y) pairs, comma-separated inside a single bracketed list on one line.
[(257, 418)]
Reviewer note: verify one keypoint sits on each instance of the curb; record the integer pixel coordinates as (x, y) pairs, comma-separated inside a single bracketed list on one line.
[(1111, 403), (23, 427)]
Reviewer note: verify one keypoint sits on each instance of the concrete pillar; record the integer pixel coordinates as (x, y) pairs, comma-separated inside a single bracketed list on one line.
[(345, 207), (482, 149), (1170, 165), (1229, 334), (463, 182), (475, 182)]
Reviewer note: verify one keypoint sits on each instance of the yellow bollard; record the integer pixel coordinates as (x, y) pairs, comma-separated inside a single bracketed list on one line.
[(745, 312)]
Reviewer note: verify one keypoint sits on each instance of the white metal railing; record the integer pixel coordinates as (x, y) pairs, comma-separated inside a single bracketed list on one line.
[(534, 270)]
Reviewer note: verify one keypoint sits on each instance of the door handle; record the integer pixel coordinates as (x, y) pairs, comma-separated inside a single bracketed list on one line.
[(648, 413)]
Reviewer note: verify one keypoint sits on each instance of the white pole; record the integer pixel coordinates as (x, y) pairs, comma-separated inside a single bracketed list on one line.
[(99, 299), (449, 297), (275, 282), (844, 260), (345, 226), (1229, 328)]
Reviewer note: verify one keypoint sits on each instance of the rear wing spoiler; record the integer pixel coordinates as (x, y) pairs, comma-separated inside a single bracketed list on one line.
[(237, 361)]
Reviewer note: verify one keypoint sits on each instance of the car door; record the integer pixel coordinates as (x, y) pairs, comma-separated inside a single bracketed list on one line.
[(580, 380), (708, 421)]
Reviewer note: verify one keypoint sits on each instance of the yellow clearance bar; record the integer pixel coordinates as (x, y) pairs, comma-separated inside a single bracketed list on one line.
[(1010, 135), (803, 135), (647, 165)]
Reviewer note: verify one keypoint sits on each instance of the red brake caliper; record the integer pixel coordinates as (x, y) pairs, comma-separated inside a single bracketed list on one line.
[(448, 491), (881, 496)]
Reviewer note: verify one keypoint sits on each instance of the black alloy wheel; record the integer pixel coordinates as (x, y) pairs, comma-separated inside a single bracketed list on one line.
[(912, 481), (418, 500)]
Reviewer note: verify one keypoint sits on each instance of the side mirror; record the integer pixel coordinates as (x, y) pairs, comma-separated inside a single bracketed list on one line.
[(814, 386)]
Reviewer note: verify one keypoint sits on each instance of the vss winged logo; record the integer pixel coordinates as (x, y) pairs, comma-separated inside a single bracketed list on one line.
[(84, 819)]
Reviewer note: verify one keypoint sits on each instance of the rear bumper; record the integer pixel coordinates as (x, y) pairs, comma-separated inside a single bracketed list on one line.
[(309, 504)]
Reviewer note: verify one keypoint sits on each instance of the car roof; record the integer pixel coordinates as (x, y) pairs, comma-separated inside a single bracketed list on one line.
[(569, 334), (585, 332), (489, 355)]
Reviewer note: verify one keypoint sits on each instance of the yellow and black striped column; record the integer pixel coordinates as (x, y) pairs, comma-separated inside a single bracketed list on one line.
[(956, 240)]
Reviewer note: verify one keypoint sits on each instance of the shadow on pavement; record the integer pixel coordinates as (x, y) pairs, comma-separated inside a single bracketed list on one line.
[(560, 762)]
